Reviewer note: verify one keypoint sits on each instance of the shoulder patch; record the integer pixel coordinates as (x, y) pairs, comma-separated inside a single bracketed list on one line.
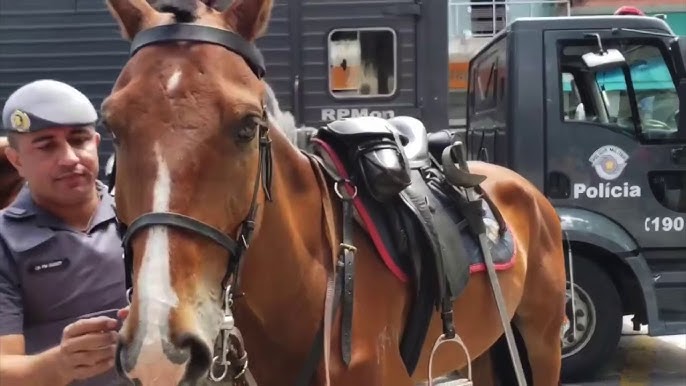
[(13, 211)]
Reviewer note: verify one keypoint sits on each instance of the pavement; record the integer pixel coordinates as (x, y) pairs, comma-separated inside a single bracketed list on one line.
[(642, 360)]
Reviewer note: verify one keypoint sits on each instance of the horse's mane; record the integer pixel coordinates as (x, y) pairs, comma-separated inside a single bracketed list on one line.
[(282, 120)]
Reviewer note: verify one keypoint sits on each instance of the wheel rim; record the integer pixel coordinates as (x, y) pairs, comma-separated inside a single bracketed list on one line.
[(585, 321)]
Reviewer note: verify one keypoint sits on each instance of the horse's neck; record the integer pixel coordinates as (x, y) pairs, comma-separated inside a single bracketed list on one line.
[(291, 251), (284, 274)]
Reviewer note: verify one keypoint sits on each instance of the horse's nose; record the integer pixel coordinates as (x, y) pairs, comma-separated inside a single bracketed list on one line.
[(200, 357), (123, 361), (186, 359)]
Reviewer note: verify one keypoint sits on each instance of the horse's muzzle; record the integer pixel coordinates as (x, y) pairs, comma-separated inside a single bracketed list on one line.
[(189, 350)]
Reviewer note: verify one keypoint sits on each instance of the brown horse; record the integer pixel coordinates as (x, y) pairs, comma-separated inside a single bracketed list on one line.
[(10, 180), (198, 157)]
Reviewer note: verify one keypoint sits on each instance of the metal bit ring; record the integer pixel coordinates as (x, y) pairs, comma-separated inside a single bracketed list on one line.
[(215, 361)]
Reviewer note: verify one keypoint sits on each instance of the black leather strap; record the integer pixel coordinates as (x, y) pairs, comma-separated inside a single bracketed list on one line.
[(317, 350), (348, 256), (179, 221), (202, 34)]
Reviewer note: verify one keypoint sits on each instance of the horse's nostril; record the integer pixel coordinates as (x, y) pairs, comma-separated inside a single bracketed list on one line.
[(121, 363), (118, 361), (200, 356)]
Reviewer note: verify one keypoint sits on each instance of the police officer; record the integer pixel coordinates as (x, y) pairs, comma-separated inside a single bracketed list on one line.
[(61, 266)]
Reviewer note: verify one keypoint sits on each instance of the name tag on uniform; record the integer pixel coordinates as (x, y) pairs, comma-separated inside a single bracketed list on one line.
[(49, 266)]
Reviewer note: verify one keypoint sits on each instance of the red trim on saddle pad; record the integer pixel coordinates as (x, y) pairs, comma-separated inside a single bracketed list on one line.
[(481, 267), (364, 215)]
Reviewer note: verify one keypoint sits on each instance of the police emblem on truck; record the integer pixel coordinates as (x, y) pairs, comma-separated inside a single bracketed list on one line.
[(609, 162)]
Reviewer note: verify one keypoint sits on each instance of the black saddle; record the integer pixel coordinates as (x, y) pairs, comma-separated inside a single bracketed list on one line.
[(415, 204)]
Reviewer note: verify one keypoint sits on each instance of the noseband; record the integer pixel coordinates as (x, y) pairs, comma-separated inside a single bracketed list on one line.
[(236, 248)]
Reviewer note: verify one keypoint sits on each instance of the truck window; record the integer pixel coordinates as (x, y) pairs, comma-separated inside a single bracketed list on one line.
[(606, 92), (362, 62), (488, 80)]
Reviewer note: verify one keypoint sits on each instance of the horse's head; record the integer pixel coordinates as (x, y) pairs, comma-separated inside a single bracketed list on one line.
[(192, 166)]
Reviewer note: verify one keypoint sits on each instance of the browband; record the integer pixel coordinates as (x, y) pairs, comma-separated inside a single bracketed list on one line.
[(200, 33)]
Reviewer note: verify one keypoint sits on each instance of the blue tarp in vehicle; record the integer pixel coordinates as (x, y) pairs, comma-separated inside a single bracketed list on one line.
[(650, 75)]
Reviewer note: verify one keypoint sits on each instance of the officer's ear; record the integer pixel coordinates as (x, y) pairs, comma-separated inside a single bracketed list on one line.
[(132, 15), (13, 157)]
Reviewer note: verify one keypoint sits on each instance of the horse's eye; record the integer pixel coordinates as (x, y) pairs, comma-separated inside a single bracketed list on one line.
[(248, 128)]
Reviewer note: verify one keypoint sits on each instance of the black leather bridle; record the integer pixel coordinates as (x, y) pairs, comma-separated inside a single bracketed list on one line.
[(236, 248)]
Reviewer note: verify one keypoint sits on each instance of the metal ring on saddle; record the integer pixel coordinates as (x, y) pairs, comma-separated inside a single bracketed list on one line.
[(336, 188)]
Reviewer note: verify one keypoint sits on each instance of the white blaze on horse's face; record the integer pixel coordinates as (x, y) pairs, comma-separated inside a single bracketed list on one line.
[(174, 81), (156, 295)]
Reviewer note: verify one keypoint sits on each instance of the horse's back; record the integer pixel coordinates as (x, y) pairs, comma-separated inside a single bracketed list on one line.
[(523, 206), (510, 187)]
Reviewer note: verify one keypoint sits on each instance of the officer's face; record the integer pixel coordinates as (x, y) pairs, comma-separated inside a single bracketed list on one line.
[(59, 163)]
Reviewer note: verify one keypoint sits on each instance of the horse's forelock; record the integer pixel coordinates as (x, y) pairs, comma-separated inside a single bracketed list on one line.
[(185, 11)]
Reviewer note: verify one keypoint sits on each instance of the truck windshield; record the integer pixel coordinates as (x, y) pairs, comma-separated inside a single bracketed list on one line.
[(655, 92), (602, 97)]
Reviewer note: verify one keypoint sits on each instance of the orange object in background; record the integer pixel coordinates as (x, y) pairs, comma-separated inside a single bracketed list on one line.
[(342, 80), (458, 79)]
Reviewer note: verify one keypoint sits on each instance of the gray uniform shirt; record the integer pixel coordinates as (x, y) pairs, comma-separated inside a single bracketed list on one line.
[(52, 275)]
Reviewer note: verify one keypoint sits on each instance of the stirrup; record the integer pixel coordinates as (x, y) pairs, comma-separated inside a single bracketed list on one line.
[(456, 339)]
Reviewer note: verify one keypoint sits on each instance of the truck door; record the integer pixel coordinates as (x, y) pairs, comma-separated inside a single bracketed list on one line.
[(619, 155), (359, 58)]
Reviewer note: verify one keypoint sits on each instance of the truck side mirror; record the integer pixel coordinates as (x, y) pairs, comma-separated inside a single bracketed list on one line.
[(605, 60)]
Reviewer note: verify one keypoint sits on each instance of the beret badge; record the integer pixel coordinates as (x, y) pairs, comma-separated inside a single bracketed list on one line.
[(20, 121)]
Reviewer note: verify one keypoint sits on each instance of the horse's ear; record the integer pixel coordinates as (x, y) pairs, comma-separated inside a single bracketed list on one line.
[(249, 17), (131, 15)]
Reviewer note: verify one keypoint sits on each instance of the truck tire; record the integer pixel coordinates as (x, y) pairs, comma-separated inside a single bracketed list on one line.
[(599, 322)]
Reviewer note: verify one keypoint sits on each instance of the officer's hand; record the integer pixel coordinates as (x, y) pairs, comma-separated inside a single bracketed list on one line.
[(88, 347), (123, 313)]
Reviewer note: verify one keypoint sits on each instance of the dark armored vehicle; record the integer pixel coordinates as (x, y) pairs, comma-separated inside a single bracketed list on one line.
[(591, 110)]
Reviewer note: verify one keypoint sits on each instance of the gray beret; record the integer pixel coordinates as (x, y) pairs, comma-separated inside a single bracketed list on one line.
[(46, 103)]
